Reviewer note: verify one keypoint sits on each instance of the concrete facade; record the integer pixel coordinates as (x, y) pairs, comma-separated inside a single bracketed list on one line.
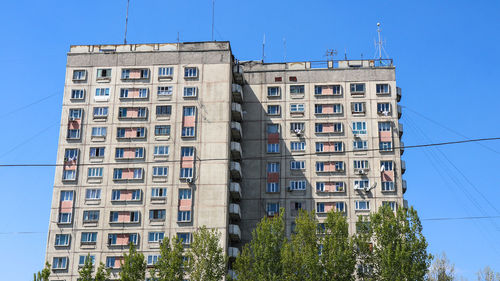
[(152, 132)]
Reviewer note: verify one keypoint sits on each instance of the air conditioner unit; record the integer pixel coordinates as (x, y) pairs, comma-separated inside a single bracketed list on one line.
[(298, 132), (289, 189), (356, 187), (356, 135), (361, 172), (189, 180)]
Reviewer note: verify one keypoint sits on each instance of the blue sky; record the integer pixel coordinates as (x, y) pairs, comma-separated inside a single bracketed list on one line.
[(446, 54)]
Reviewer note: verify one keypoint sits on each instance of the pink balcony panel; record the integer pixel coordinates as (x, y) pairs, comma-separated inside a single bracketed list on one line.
[(185, 204), (189, 121), (124, 217), (273, 177), (385, 136), (66, 207), (122, 239), (327, 90), (130, 133), (132, 112), (128, 173), (273, 138), (118, 263), (70, 165), (328, 207), (328, 128), (387, 176), (125, 194), (133, 93), (329, 167), (135, 74), (187, 162), (129, 153), (75, 124), (327, 109), (329, 187)]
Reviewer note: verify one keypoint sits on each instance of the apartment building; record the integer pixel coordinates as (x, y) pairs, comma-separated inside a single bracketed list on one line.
[(157, 140)]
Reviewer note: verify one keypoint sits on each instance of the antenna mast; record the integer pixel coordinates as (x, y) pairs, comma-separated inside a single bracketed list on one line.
[(379, 45), (126, 23), (213, 18), (263, 47), (284, 49)]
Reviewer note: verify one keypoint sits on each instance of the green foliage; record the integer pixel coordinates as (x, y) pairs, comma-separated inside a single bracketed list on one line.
[(338, 258), (102, 273), (86, 271), (170, 265), (206, 259), (44, 274), (487, 274), (261, 259), (441, 269), (399, 248), (134, 266)]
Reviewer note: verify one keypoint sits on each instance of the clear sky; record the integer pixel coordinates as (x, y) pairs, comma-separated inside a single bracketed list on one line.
[(447, 62)]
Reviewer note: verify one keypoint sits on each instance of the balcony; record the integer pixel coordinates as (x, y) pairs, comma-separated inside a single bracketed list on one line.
[(233, 252), (400, 111), (400, 129), (237, 93), (398, 94), (238, 73), (236, 112), (403, 186), (401, 147), (236, 132), (235, 190), (234, 232), (236, 150), (234, 211), (235, 170), (403, 166)]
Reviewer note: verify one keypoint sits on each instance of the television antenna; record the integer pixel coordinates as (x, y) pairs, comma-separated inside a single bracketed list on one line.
[(330, 53), (126, 23), (379, 45)]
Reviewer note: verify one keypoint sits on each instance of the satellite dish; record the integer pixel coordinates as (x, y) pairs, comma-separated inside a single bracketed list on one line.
[(382, 168), (367, 189)]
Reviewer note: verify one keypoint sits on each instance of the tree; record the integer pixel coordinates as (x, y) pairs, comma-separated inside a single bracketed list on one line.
[(102, 273), (441, 269), (260, 259), (300, 256), (338, 258), (399, 247), (44, 275), (487, 274), (170, 263), (134, 265), (206, 259)]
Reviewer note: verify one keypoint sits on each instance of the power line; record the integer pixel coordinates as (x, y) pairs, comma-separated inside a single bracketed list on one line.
[(265, 157), (28, 105)]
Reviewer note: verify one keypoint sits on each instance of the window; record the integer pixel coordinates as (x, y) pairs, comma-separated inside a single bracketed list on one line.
[(190, 91), (136, 174), (152, 259), (89, 237), (384, 126), (273, 148), (99, 132), (298, 146), (62, 240), (102, 92), (73, 134), (359, 128), (391, 204), (362, 205), (157, 215), (79, 74), (386, 166), (97, 152), (66, 195), (65, 217), (83, 258), (385, 146), (165, 91), (388, 186), (90, 216), (273, 91), (129, 153), (298, 185), (100, 112), (158, 192), (184, 216), (93, 194), (272, 209), (358, 107), (187, 132), (272, 187), (138, 112), (165, 72), (185, 193), (361, 184), (360, 145), (357, 88), (163, 110), (111, 262), (184, 237), (78, 94), (161, 150), (155, 237), (128, 195), (360, 164), (328, 128), (186, 173), (160, 171), (328, 108), (297, 108), (330, 186), (327, 90), (59, 263), (330, 147), (296, 89), (384, 108), (297, 127), (131, 216), (297, 165), (383, 89), (103, 73), (190, 72), (162, 130), (135, 73), (273, 128), (273, 110), (95, 172)]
